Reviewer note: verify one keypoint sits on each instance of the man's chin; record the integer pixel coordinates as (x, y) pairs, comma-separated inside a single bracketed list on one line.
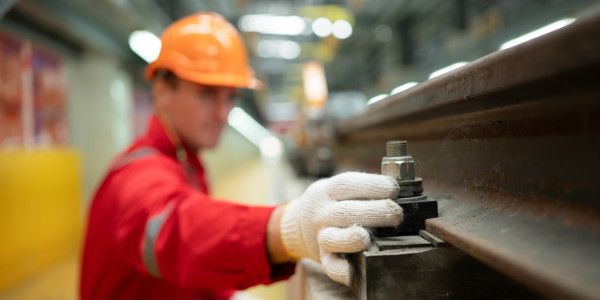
[(209, 144), (204, 144)]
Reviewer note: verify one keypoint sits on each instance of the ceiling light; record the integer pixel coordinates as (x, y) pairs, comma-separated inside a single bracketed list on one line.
[(271, 24), (278, 49), (270, 149), (322, 27), (315, 83), (289, 50), (145, 44), (265, 49), (270, 146), (342, 29)]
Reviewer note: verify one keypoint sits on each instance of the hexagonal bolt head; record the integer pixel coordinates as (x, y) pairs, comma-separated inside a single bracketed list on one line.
[(399, 167)]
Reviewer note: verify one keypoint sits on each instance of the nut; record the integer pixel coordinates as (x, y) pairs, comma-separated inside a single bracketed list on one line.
[(399, 167)]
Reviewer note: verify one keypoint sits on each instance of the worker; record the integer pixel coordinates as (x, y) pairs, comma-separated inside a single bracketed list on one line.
[(154, 231)]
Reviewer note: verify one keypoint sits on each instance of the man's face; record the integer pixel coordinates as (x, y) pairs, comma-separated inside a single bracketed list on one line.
[(197, 112)]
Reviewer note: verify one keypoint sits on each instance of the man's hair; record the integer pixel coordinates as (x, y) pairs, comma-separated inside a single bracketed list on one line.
[(168, 76)]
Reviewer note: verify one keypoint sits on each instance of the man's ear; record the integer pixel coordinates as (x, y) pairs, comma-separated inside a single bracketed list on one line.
[(161, 92)]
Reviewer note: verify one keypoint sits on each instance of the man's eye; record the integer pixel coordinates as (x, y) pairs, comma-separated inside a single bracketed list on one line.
[(234, 99), (209, 94)]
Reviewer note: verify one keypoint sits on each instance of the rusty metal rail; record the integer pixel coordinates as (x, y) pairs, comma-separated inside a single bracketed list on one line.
[(510, 146)]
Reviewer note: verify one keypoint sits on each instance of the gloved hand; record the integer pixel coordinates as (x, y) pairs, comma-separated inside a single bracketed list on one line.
[(328, 218)]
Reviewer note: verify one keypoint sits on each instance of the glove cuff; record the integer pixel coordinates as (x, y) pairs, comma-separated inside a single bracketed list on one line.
[(291, 232)]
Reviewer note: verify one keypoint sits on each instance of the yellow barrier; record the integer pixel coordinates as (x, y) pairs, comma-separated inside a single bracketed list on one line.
[(40, 210)]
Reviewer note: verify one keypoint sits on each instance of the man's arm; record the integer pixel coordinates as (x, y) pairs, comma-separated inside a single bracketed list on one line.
[(167, 229)]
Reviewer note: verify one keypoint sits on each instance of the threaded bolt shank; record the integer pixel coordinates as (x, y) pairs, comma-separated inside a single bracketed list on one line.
[(396, 148)]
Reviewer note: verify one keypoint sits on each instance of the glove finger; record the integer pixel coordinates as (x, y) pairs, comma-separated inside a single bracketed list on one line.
[(337, 268), (373, 213), (343, 240), (355, 185)]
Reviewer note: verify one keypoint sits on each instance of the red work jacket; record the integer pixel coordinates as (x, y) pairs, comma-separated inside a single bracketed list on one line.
[(153, 234)]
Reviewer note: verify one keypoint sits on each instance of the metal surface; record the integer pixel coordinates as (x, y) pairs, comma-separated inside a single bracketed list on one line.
[(412, 267), (509, 145)]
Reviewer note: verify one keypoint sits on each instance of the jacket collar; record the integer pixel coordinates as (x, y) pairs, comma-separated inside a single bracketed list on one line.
[(157, 137)]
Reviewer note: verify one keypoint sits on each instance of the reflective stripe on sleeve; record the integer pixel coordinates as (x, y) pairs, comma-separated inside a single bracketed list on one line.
[(133, 156), (153, 227)]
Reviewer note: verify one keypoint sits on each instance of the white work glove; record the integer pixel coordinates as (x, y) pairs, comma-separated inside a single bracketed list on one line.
[(328, 218)]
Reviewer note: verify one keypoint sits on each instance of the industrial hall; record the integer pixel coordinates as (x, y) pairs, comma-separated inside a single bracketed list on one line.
[(299, 149)]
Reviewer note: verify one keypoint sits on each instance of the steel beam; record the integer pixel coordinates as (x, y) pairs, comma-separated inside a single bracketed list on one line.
[(510, 147)]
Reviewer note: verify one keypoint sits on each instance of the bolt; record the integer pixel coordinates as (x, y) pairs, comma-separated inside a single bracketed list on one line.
[(398, 163)]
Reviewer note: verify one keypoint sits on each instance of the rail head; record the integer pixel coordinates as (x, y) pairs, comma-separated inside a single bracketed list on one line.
[(568, 57)]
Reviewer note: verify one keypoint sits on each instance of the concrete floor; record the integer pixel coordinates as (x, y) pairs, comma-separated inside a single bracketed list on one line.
[(253, 183)]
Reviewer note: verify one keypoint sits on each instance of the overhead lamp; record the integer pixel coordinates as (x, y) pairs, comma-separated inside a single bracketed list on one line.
[(145, 44), (377, 99), (537, 33), (315, 86), (289, 50), (270, 147), (278, 49), (403, 87), (342, 29), (447, 69), (322, 27), (271, 24)]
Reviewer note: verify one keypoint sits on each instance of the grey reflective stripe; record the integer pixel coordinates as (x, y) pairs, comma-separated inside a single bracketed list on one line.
[(153, 227), (133, 156)]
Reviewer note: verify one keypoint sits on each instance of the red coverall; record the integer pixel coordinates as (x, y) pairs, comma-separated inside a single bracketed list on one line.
[(152, 235)]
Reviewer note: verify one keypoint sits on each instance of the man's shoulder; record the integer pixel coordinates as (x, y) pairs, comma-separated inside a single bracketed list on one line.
[(130, 175), (143, 158)]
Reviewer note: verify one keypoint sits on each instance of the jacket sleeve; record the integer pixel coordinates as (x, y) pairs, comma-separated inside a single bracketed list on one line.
[(164, 227)]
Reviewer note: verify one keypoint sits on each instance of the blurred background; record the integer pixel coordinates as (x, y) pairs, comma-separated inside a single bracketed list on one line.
[(72, 95)]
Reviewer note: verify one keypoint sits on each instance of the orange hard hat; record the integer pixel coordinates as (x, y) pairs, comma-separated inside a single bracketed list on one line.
[(206, 49)]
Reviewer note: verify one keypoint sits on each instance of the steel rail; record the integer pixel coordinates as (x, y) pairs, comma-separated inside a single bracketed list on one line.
[(510, 146)]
